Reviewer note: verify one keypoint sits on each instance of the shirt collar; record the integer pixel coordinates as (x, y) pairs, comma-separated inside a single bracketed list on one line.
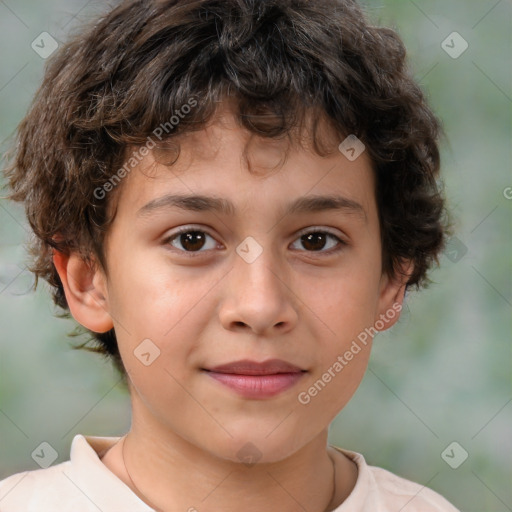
[(102, 487), (364, 494)]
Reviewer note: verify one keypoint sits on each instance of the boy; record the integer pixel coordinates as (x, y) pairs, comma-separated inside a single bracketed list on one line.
[(232, 198)]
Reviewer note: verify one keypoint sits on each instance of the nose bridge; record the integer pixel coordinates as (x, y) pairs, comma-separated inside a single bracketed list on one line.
[(257, 269), (258, 295)]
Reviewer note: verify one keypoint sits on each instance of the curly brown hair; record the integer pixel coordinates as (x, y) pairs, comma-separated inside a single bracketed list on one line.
[(284, 62)]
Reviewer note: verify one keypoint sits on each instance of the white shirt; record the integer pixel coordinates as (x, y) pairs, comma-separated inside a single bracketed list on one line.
[(85, 484)]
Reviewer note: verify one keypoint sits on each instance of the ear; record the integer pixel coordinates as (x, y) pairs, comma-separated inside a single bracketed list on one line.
[(391, 296), (86, 291)]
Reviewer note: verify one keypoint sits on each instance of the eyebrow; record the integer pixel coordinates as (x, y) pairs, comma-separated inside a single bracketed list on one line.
[(201, 203)]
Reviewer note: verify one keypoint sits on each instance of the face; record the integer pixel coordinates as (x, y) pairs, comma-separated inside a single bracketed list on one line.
[(200, 295)]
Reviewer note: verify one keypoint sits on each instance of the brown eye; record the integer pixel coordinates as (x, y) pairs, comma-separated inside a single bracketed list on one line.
[(190, 241), (317, 241), (314, 241)]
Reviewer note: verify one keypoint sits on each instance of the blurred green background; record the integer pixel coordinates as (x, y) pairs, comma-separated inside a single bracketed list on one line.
[(442, 375)]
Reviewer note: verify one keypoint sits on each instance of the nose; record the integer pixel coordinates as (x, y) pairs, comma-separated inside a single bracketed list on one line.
[(259, 297)]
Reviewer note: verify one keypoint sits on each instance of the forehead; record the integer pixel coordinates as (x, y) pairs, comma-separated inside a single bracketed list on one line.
[(224, 160)]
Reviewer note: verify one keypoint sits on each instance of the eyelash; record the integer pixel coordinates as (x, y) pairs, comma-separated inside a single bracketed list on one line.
[(193, 254)]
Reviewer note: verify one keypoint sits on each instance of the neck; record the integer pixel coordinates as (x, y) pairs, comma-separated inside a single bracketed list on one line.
[(203, 482), (169, 473)]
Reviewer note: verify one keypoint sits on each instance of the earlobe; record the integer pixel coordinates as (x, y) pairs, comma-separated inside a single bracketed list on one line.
[(85, 289)]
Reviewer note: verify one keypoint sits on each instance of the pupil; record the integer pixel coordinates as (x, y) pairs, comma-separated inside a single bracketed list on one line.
[(193, 240), (311, 238)]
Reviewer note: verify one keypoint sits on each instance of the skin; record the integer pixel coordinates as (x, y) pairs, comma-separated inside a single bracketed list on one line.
[(292, 303)]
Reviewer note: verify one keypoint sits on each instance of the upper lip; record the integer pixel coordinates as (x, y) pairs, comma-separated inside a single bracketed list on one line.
[(247, 367)]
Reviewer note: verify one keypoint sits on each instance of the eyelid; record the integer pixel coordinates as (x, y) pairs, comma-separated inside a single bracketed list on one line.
[(189, 228), (321, 229)]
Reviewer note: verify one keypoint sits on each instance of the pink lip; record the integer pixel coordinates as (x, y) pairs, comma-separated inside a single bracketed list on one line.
[(257, 380)]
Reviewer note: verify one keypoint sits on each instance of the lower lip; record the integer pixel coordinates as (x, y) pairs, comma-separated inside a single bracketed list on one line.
[(258, 386)]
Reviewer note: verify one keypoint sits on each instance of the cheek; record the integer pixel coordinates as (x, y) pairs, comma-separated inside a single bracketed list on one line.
[(167, 307), (344, 307), (330, 388), (149, 298), (344, 302)]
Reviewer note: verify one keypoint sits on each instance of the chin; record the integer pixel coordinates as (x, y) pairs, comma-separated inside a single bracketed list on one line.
[(248, 446)]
